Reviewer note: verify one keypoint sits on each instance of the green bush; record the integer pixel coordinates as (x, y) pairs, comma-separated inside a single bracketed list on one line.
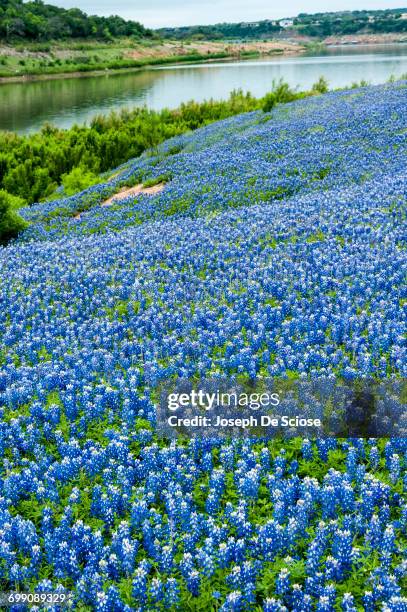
[(11, 223), (77, 180), (33, 166), (281, 93), (321, 86), (39, 22)]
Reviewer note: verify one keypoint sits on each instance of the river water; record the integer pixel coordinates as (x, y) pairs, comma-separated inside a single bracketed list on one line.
[(25, 107)]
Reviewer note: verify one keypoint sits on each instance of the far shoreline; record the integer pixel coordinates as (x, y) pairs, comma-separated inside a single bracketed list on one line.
[(166, 55), (295, 49), (24, 78)]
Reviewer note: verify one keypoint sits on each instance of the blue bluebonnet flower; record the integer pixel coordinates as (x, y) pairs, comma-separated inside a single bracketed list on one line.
[(259, 258)]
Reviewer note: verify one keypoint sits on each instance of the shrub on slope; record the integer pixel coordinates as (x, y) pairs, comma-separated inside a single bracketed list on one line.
[(11, 223)]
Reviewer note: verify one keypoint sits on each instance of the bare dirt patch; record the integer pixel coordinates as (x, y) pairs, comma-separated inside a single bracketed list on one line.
[(366, 39), (203, 48), (133, 191)]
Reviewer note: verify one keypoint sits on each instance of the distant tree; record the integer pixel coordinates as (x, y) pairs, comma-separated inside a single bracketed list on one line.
[(14, 26), (58, 28)]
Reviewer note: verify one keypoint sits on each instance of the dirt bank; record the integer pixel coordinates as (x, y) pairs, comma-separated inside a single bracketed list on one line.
[(60, 61), (366, 39)]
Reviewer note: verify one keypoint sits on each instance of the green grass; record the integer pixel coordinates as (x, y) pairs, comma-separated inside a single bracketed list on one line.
[(61, 58)]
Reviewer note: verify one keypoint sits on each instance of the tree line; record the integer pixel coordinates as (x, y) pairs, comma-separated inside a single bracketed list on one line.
[(36, 21), (318, 25), (351, 22)]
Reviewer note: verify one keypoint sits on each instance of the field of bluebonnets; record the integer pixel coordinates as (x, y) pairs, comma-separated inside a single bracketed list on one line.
[(276, 248)]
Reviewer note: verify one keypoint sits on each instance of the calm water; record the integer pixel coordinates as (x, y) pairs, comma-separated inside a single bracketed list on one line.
[(24, 107)]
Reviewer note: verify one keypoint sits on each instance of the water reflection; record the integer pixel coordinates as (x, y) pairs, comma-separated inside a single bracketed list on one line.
[(24, 107)]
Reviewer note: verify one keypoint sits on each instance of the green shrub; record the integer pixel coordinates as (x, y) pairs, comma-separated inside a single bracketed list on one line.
[(281, 93), (163, 178), (11, 223), (321, 86), (33, 166), (41, 48), (77, 180)]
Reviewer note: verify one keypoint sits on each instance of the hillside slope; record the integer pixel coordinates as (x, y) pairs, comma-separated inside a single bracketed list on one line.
[(36, 21), (276, 247)]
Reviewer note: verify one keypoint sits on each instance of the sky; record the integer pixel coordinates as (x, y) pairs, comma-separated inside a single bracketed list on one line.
[(160, 13)]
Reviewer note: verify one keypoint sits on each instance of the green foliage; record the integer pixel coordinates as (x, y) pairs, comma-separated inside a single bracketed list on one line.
[(221, 31), (37, 66), (10, 221), (281, 93), (317, 237), (322, 25), (164, 178), (361, 83), (315, 25), (33, 166), (77, 180), (40, 22), (321, 86)]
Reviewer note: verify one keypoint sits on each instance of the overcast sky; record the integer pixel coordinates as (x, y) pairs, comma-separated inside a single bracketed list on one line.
[(158, 13)]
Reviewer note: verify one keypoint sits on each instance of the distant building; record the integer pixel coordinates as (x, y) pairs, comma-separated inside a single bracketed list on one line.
[(371, 19), (252, 24), (286, 23), (403, 16)]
